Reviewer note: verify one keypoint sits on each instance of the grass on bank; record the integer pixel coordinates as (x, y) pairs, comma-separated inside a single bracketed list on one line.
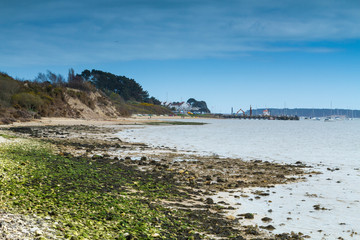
[(90, 199), (6, 136)]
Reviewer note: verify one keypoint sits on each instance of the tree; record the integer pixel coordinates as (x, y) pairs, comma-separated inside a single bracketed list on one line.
[(71, 75), (51, 77), (127, 88), (41, 77)]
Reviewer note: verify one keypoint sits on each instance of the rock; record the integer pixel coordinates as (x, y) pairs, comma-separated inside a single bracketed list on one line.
[(209, 201), (97, 157), (261, 193), (266, 219), (208, 178), (230, 217), (318, 207), (268, 227), (240, 182), (33, 229), (220, 180), (252, 230), (239, 238), (249, 216)]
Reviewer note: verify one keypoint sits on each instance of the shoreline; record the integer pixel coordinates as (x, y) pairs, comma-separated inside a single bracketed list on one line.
[(51, 121), (201, 176)]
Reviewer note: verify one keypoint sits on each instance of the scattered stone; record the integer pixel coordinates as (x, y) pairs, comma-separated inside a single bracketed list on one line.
[(268, 227), (318, 207), (238, 238), (224, 203), (230, 217), (266, 219), (220, 180), (261, 193), (16, 226), (252, 230), (209, 201), (248, 215)]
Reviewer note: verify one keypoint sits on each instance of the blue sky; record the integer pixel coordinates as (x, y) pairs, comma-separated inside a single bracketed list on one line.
[(230, 53)]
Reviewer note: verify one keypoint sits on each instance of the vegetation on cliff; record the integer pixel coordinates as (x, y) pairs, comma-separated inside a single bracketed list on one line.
[(94, 94)]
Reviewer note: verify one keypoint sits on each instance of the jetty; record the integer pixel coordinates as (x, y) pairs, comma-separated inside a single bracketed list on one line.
[(259, 117), (266, 115)]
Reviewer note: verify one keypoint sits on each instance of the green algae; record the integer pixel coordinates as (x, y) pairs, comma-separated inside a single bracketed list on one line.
[(87, 198)]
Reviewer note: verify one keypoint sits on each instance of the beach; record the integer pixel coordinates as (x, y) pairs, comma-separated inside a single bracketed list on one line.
[(324, 206), (201, 177)]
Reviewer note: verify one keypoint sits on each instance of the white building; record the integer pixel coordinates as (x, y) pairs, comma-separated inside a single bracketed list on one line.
[(180, 107)]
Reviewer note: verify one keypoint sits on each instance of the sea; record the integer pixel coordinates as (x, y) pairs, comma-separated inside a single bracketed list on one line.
[(331, 148)]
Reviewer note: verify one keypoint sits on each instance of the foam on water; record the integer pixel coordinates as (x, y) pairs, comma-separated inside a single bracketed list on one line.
[(330, 147)]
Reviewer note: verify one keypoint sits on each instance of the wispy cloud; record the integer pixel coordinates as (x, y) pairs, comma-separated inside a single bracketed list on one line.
[(42, 32)]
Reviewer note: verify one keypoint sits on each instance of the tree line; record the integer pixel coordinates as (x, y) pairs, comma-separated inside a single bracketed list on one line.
[(128, 89)]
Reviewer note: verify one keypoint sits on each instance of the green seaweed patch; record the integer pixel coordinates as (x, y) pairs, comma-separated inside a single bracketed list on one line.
[(175, 123), (6, 136), (87, 198)]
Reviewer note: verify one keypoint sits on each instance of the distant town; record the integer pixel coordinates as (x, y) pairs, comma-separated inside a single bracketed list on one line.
[(193, 106)]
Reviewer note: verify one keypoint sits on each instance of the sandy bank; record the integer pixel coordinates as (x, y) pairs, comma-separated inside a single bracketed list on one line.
[(135, 119)]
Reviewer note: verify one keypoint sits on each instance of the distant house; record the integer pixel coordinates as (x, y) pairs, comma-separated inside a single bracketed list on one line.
[(193, 106), (179, 107), (266, 112)]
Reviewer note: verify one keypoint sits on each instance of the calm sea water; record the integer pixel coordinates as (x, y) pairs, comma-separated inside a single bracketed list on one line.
[(324, 145)]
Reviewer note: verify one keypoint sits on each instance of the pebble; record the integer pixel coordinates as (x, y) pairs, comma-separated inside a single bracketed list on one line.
[(17, 226)]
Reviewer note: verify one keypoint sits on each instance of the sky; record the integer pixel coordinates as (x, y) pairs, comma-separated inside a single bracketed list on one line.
[(229, 53)]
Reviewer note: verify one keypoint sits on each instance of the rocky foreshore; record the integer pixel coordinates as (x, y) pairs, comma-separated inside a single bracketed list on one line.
[(198, 176)]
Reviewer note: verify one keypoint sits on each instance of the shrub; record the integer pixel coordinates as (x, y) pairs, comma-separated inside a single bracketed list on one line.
[(8, 86), (147, 104), (116, 97), (29, 101), (78, 82)]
